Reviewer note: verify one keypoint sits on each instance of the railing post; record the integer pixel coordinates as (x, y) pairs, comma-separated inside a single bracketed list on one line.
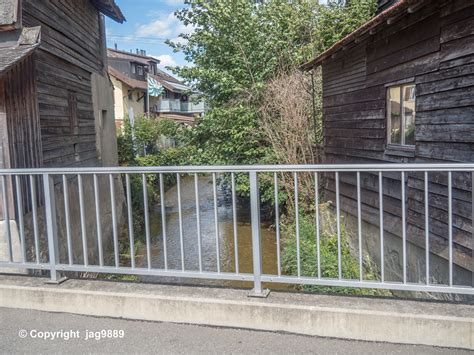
[(257, 290), (51, 229)]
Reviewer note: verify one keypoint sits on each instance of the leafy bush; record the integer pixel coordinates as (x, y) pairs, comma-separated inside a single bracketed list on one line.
[(142, 138), (328, 253)]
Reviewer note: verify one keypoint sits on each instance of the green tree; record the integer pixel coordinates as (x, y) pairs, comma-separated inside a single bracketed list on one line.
[(236, 48)]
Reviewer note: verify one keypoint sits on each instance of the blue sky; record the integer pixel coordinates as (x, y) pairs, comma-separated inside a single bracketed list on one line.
[(149, 23)]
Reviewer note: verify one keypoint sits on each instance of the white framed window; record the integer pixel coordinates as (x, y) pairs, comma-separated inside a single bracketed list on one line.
[(134, 68), (140, 70), (401, 114)]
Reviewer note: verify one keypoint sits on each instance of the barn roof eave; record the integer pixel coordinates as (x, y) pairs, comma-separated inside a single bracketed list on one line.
[(396, 9)]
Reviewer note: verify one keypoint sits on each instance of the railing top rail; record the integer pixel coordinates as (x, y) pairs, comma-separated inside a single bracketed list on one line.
[(465, 167)]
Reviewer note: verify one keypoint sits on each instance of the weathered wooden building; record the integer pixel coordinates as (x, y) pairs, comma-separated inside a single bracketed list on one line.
[(400, 89), (56, 99), (52, 55)]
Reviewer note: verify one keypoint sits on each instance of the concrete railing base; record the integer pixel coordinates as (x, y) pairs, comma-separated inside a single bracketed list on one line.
[(371, 319)]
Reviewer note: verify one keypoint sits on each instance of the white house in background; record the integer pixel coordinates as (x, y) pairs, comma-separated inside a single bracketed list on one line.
[(129, 72)]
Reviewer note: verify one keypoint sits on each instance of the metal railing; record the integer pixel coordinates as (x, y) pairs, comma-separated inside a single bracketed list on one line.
[(190, 106), (168, 105), (176, 105), (55, 184)]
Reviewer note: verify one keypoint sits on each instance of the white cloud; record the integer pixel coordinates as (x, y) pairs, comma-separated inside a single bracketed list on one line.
[(174, 2), (165, 26), (166, 61)]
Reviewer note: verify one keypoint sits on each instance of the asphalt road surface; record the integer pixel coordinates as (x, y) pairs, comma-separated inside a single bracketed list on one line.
[(26, 331)]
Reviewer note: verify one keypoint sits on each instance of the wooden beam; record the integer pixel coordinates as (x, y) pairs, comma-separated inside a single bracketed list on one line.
[(5, 154), (4, 146)]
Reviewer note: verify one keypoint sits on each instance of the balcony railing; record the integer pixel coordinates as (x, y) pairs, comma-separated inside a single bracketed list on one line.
[(171, 105), (192, 107), (77, 200), (166, 105)]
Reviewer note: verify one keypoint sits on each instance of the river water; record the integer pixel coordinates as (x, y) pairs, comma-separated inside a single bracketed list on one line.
[(208, 233)]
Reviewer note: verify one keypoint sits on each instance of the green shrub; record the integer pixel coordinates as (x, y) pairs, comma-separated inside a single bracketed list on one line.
[(328, 253), (142, 138)]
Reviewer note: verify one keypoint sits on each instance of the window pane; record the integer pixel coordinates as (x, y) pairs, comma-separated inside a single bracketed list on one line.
[(395, 115), (409, 113)]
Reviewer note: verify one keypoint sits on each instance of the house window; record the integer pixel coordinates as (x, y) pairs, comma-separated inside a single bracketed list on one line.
[(401, 115), (140, 70), (134, 70)]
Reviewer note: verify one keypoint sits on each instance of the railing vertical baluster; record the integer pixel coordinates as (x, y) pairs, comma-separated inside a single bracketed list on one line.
[(198, 220), (318, 236), (163, 219), (147, 220), (34, 207), (83, 220), (450, 227), (338, 221), (67, 220), (427, 231), (234, 223), (130, 221), (21, 221), (359, 227), (51, 227), (114, 221), (257, 290), (382, 261), (277, 222), (180, 219), (297, 222), (97, 220), (216, 221), (6, 219), (404, 232)]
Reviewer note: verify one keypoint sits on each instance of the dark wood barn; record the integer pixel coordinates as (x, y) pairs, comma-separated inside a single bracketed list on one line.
[(56, 99), (52, 59), (400, 89)]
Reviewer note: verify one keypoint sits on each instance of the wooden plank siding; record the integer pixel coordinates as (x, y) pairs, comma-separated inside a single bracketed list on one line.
[(22, 127), (70, 50), (65, 143), (70, 30), (4, 151), (22, 116), (433, 47)]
